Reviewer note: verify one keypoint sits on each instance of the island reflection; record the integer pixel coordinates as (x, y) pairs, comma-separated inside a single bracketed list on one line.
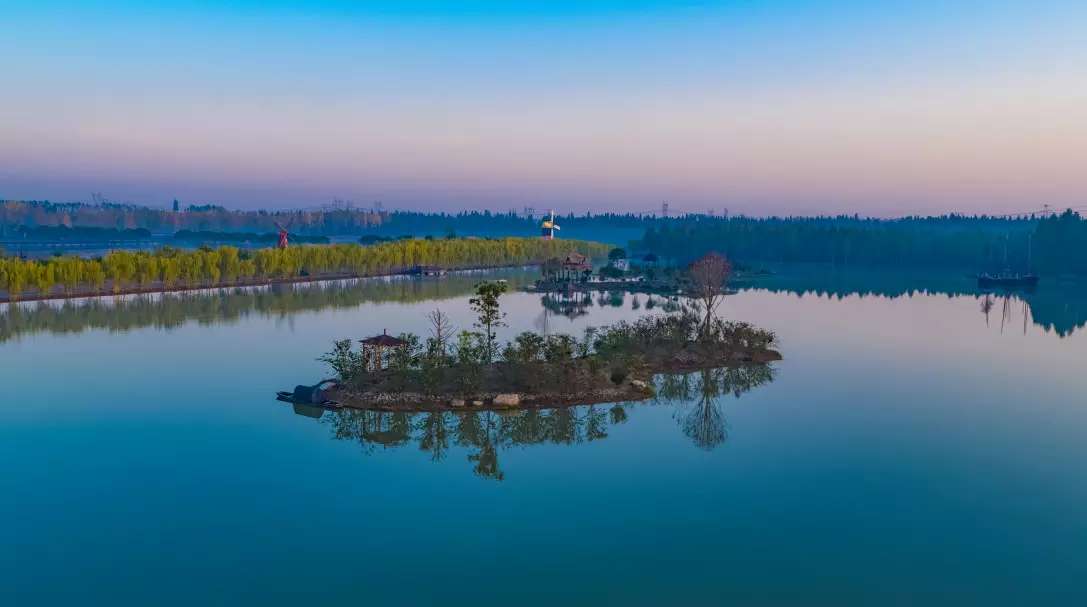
[(485, 434)]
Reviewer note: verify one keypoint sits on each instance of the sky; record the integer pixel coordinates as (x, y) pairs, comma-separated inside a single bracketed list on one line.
[(765, 108)]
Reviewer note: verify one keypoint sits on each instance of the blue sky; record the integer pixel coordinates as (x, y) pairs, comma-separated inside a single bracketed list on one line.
[(762, 107)]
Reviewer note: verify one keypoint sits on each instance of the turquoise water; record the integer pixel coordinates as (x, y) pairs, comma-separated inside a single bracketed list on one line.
[(907, 450)]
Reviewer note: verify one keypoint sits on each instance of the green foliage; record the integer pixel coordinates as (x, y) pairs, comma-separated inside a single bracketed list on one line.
[(559, 348), (169, 267), (490, 316), (611, 272), (561, 363), (471, 356), (347, 363), (522, 360), (407, 356), (432, 367), (666, 334), (404, 361), (526, 348)]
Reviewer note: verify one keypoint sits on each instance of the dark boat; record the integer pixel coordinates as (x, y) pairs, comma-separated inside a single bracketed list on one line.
[(1007, 280), (310, 395), (426, 271)]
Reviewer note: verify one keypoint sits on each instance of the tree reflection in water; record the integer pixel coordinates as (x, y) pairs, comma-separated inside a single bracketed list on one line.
[(231, 304), (485, 434), (696, 397)]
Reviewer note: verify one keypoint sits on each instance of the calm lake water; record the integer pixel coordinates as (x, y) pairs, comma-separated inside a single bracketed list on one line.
[(909, 449)]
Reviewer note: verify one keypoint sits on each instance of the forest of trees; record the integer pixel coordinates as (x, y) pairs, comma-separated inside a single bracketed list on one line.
[(120, 271), (333, 221), (15, 213), (1051, 244), (977, 243)]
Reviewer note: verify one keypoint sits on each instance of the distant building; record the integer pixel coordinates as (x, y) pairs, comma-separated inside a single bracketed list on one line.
[(576, 262)]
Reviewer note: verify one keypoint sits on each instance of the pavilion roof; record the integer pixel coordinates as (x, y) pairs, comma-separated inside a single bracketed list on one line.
[(385, 340), (576, 260)]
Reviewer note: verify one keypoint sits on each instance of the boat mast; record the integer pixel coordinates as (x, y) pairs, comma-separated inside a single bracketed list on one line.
[(1030, 251)]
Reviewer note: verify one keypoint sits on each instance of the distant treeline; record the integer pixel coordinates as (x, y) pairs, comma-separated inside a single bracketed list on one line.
[(1055, 244), (327, 222), (167, 268), (14, 213), (62, 234), (242, 237), (511, 223)]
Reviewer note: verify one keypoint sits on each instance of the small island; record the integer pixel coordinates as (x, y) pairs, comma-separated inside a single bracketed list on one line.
[(471, 369)]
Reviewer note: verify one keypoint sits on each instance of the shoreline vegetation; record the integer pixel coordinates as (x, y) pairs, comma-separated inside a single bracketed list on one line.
[(169, 269), (471, 369)]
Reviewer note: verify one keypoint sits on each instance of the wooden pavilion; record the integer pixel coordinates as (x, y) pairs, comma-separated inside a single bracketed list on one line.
[(574, 265), (374, 348)]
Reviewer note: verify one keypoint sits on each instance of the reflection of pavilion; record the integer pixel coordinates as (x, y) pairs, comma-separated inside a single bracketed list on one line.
[(570, 304)]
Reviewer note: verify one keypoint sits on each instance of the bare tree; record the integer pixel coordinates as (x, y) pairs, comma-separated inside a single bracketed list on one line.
[(709, 276), (441, 330)]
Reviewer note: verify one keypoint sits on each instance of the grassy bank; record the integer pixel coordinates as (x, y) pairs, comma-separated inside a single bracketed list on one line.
[(171, 269)]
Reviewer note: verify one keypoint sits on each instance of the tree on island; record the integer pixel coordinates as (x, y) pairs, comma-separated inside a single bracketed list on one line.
[(485, 305), (709, 275), (441, 333)]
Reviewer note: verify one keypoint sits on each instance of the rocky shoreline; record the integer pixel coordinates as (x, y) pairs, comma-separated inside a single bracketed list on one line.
[(631, 389)]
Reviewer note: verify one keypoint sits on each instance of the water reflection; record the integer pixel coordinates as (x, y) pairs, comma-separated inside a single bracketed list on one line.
[(484, 435), (576, 304), (570, 305), (697, 396), (1056, 306), (215, 306), (1007, 315)]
